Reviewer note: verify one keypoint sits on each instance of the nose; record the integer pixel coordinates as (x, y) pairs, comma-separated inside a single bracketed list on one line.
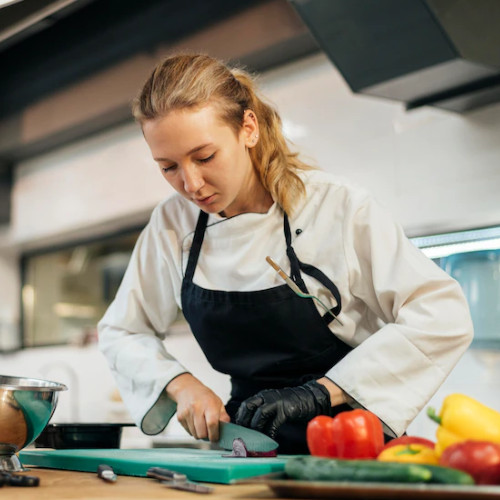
[(193, 180)]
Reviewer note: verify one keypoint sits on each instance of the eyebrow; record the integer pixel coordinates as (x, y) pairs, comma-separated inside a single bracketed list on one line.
[(194, 150)]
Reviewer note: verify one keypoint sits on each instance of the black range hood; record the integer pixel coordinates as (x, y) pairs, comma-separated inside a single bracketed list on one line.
[(443, 53)]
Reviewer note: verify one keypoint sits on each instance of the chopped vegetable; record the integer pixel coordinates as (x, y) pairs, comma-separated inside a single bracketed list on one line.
[(409, 453), (481, 459), (240, 451), (462, 418), (351, 434)]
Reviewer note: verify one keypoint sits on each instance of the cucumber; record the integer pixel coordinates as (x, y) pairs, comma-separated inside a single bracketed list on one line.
[(447, 475), (328, 469)]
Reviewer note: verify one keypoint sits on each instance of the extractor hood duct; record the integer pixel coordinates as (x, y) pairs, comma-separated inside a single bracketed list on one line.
[(444, 53)]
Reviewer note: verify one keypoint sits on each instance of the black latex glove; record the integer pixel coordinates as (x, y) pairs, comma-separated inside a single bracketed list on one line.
[(267, 410)]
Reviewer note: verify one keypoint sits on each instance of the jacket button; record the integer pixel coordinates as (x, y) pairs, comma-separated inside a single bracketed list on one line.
[(298, 231)]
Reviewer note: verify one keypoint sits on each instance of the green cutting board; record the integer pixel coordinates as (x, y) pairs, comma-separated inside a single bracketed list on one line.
[(198, 465)]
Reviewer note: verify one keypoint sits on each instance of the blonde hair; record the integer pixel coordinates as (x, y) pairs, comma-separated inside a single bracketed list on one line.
[(194, 80)]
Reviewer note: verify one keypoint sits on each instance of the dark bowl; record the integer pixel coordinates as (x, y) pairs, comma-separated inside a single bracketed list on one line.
[(71, 436)]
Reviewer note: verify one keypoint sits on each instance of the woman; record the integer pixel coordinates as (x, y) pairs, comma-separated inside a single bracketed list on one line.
[(397, 324)]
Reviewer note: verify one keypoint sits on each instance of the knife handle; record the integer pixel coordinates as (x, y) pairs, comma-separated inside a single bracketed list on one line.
[(18, 480)]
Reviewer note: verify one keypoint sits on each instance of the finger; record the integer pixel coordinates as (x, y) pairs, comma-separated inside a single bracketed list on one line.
[(212, 422), (273, 428), (264, 417), (185, 424), (214, 428), (224, 416), (247, 409), (200, 426)]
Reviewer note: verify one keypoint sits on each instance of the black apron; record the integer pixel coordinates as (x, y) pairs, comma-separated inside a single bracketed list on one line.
[(264, 339)]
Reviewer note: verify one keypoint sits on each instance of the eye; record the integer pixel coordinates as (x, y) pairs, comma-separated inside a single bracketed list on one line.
[(207, 159), (166, 170)]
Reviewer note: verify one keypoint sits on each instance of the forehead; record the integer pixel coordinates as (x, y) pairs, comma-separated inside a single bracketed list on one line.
[(195, 118), (182, 130)]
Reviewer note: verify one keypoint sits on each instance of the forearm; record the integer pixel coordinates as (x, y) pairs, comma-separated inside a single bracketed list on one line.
[(337, 395)]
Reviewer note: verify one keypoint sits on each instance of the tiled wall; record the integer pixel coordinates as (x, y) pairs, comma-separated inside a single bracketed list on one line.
[(435, 170)]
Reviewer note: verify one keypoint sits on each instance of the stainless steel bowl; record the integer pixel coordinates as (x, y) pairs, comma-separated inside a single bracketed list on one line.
[(26, 405)]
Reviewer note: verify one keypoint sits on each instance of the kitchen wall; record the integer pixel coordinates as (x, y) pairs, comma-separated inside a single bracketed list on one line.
[(436, 171)]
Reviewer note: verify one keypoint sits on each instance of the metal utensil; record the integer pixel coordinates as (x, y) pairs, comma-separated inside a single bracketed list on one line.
[(297, 290), (18, 479), (176, 480), (26, 405), (106, 473)]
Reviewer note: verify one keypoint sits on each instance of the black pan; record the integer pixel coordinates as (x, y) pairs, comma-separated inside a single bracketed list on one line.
[(71, 436)]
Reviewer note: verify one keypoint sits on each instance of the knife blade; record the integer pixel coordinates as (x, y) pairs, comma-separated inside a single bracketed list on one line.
[(254, 440)]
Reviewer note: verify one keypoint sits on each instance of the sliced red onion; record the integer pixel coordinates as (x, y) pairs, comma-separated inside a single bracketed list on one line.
[(240, 451)]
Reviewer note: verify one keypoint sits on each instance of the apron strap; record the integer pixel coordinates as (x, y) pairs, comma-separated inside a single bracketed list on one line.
[(194, 253), (292, 257), (324, 280), (296, 265)]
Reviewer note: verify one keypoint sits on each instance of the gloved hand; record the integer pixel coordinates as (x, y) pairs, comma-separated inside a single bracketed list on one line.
[(267, 410)]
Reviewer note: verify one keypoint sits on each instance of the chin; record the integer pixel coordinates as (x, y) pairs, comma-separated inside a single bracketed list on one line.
[(211, 209)]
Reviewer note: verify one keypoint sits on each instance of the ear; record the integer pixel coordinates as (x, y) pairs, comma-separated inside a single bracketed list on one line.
[(250, 129)]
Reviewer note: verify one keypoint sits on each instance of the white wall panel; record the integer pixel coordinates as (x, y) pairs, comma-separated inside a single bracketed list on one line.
[(110, 177), (434, 169)]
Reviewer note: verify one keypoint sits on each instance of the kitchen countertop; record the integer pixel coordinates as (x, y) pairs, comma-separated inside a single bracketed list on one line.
[(62, 484), (58, 484)]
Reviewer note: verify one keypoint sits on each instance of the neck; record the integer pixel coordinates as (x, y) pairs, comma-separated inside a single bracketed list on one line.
[(257, 200)]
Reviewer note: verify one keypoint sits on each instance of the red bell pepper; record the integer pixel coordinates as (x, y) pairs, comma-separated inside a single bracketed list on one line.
[(351, 434), (409, 440), (481, 459)]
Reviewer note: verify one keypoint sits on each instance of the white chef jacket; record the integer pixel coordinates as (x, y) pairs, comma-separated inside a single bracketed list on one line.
[(406, 318)]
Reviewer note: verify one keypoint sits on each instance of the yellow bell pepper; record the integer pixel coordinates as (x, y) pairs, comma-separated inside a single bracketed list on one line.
[(461, 418), (409, 453)]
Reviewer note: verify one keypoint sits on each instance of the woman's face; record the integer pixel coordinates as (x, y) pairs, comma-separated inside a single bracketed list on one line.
[(204, 160)]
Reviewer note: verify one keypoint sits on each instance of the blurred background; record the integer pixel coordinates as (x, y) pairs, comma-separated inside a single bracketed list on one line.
[(399, 96)]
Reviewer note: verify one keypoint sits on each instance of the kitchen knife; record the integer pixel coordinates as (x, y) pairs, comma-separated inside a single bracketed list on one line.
[(106, 473), (254, 440), (177, 481)]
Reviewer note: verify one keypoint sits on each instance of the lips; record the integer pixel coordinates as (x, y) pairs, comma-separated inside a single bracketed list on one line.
[(204, 199)]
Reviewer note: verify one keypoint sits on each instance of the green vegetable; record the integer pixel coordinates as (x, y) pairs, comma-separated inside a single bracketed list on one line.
[(312, 468), (447, 475), (328, 469)]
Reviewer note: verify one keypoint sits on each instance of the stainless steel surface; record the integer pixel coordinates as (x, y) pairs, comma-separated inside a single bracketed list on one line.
[(10, 463), (26, 405)]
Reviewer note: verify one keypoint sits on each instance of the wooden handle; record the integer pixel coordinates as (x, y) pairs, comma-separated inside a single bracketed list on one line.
[(273, 264), (277, 268)]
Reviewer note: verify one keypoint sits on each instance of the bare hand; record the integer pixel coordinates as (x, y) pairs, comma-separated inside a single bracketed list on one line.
[(199, 409)]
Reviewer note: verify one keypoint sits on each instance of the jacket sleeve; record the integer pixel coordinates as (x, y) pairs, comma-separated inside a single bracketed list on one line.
[(131, 331), (425, 324)]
